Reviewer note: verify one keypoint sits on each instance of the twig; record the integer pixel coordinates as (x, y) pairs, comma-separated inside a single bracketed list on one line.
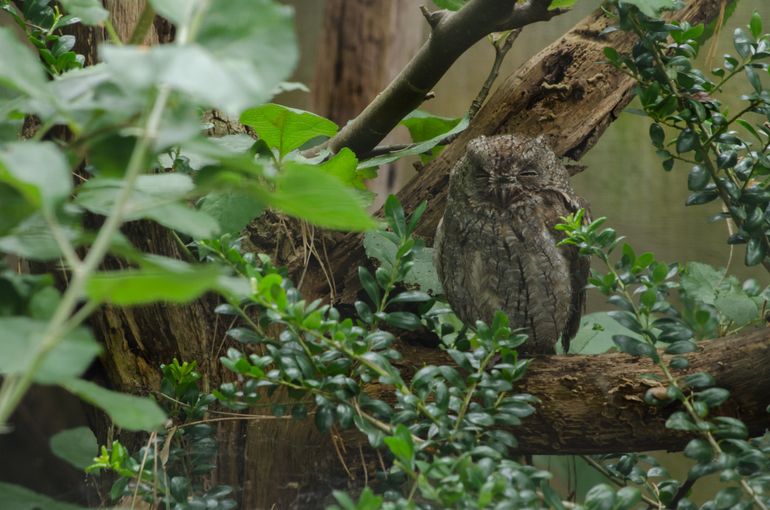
[(500, 51), (143, 25), (682, 492), (614, 479), (449, 39)]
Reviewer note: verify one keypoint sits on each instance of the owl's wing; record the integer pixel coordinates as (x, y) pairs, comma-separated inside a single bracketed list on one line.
[(580, 266)]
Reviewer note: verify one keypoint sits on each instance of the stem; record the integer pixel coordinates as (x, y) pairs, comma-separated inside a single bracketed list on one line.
[(144, 24), (614, 479), (16, 385)]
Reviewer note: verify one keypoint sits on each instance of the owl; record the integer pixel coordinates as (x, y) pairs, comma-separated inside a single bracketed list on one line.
[(496, 248)]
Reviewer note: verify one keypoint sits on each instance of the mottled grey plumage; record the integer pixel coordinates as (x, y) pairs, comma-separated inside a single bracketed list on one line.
[(495, 247)]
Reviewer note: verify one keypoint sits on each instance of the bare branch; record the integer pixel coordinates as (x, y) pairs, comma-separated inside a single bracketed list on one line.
[(452, 35)]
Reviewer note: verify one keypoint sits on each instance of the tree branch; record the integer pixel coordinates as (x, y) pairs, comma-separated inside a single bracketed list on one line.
[(594, 404), (451, 35)]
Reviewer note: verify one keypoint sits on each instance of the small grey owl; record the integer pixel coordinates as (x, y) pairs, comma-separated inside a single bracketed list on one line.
[(495, 247)]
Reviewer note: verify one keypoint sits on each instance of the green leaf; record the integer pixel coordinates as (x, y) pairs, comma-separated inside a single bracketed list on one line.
[(561, 4), (344, 166), (680, 421), (755, 251), (286, 129), (627, 497), (600, 497), (22, 338), (451, 5), (403, 320), (179, 12), (686, 141), (77, 446), (152, 199), (595, 334), (634, 347), (755, 25), (402, 445), (232, 210), (651, 8), (423, 126), (309, 193), (38, 170), (244, 50), (415, 149), (177, 283), (20, 68), (699, 450), (126, 411), (16, 497), (423, 272), (90, 12), (713, 397), (369, 285)]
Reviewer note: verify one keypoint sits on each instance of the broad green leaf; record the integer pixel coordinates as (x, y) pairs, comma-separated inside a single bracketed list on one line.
[(738, 307), (309, 193), (16, 497), (452, 5), (77, 446), (152, 199), (401, 445), (90, 12), (423, 126), (179, 12), (418, 148), (231, 210), (651, 8), (243, 50), (137, 286), (38, 170), (14, 208), (284, 128), (561, 4), (20, 68), (22, 337), (126, 411), (32, 239), (344, 166)]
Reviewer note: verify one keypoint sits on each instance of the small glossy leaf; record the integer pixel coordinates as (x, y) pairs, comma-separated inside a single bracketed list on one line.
[(633, 346), (755, 251), (686, 141)]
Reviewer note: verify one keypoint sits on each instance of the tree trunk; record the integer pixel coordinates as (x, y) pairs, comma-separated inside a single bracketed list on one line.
[(365, 43)]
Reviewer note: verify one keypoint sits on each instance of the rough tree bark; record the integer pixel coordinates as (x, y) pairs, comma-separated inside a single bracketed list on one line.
[(556, 88)]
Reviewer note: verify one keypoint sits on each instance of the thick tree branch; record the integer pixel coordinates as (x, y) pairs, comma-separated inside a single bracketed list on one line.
[(451, 35), (594, 404)]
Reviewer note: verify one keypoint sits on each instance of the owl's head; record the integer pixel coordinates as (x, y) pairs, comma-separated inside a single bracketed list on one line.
[(505, 169)]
